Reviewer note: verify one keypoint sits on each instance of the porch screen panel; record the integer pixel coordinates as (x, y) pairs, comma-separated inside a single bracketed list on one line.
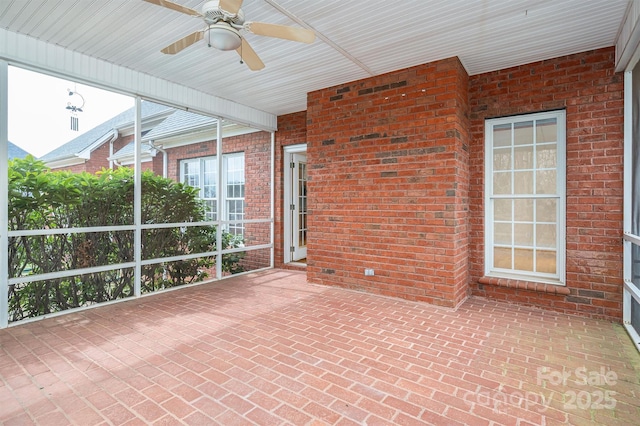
[(635, 199)]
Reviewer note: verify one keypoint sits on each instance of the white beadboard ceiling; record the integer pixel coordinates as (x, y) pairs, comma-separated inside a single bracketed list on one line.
[(356, 39)]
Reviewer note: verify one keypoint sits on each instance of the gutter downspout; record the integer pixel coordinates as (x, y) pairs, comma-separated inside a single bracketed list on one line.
[(111, 141), (165, 161)]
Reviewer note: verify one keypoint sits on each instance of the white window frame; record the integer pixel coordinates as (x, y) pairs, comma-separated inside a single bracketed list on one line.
[(238, 228), (559, 278)]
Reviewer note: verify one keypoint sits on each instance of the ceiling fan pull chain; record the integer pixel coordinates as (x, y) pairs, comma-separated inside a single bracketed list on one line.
[(241, 62)]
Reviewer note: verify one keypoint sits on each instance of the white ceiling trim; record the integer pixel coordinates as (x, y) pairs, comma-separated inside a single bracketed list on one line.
[(21, 50)]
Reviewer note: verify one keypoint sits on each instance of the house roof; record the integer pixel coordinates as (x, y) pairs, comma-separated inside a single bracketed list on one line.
[(89, 138), (178, 122), (127, 151), (16, 152)]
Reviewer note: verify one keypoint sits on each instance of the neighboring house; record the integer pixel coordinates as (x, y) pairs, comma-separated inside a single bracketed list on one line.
[(90, 151), (181, 145), (16, 152)]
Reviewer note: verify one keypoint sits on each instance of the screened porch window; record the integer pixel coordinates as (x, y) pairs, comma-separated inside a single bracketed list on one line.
[(525, 197), (202, 173)]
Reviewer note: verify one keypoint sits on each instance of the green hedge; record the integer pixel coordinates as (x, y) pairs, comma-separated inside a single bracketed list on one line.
[(43, 199)]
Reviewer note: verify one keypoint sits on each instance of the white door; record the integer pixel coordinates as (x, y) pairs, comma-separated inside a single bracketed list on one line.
[(298, 206)]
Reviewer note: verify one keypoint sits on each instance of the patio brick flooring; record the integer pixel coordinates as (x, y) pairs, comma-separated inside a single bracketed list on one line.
[(270, 349)]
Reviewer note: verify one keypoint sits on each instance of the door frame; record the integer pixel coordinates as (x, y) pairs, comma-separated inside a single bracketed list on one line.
[(287, 237)]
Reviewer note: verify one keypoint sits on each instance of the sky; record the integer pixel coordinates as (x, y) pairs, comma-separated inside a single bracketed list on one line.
[(38, 119)]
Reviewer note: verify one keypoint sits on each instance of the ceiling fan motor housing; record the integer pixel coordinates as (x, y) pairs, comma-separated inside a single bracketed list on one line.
[(213, 14)]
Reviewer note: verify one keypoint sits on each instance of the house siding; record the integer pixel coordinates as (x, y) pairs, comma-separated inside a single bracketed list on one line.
[(590, 91)]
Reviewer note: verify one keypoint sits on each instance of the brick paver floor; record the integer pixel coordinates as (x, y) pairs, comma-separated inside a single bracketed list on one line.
[(270, 349)]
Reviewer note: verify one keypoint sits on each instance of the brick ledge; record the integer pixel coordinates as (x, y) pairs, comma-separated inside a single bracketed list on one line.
[(525, 285)]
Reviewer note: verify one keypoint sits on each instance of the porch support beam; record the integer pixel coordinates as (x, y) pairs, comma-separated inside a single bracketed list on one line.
[(4, 194), (137, 198), (38, 55)]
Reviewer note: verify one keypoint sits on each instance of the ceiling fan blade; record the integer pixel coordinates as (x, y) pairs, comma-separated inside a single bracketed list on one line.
[(174, 6), (249, 56), (281, 31), (230, 6), (183, 43)]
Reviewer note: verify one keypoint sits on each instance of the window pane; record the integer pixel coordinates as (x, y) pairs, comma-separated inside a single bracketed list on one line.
[(546, 210), (502, 233), (546, 261), (210, 210), (502, 209), (523, 210), (523, 260), (546, 182), (546, 236), (502, 135), (502, 183), (502, 257), (547, 156), (502, 159), (523, 157), (523, 182), (523, 133), (546, 130), (191, 173), (524, 234)]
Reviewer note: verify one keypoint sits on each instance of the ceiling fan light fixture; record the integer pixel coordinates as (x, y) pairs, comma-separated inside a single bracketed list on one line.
[(224, 37)]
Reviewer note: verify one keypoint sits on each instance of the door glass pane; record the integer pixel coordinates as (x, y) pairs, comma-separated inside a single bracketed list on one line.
[(302, 203)]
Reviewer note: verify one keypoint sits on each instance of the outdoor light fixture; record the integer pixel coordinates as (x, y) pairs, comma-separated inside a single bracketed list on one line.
[(223, 37)]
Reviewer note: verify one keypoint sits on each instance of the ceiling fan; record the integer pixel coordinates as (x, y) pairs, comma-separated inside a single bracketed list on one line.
[(225, 25)]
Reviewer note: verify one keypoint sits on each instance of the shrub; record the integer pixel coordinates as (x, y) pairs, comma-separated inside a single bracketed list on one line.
[(43, 199)]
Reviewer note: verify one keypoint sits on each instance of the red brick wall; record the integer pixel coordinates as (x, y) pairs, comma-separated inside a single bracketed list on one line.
[(292, 130), (592, 94), (388, 184)]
